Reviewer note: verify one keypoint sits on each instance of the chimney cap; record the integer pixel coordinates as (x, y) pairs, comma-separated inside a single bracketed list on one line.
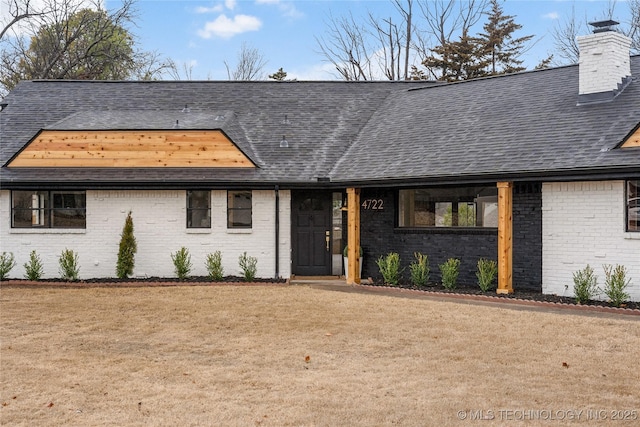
[(603, 26)]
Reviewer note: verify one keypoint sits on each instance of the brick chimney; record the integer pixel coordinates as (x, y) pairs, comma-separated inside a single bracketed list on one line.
[(604, 68)]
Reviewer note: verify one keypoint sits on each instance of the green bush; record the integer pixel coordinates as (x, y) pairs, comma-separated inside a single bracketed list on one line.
[(182, 263), (214, 266), (7, 262), (450, 270), (585, 285), (615, 284), (419, 269), (486, 273), (248, 266), (127, 250), (390, 268), (69, 268), (33, 269)]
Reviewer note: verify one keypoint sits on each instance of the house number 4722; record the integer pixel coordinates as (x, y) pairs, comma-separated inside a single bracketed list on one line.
[(373, 204)]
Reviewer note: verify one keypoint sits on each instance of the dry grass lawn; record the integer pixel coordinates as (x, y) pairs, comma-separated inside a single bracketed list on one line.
[(301, 356)]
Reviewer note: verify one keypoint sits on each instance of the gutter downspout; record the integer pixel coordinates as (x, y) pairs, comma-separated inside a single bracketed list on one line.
[(277, 194)]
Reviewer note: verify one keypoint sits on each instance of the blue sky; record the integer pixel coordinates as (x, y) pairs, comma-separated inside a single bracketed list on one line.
[(205, 34)]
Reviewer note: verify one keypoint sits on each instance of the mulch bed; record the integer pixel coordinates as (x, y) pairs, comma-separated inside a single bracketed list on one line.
[(460, 291), (519, 294)]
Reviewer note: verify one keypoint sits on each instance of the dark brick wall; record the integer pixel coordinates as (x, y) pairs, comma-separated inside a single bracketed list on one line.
[(379, 237)]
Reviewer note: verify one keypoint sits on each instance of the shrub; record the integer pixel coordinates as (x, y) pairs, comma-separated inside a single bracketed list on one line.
[(182, 263), (615, 283), (585, 285), (7, 262), (33, 268), (450, 270), (419, 269), (127, 250), (486, 273), (248, 266), (69, 269), (214, 266), (390, 268)]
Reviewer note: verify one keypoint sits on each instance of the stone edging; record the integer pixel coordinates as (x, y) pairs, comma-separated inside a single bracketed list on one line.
[(503, 300)]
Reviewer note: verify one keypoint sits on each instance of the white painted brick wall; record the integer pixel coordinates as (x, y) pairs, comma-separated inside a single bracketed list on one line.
[(583, 223), (604, 61), (159, 219)]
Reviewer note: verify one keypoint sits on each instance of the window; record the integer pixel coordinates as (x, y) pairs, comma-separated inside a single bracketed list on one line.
[(239, 209), (633, 205), (448, 207), (198, 209), (49, 209)]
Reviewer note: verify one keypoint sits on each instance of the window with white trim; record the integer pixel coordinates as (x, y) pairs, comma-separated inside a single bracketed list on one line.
[(448, 207), (633, 205), (198, 209), (48, 209), (239, 209)]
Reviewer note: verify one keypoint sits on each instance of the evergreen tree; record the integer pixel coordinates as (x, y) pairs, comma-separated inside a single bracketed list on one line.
[(279, 75), (502, 50), (128, 249), (459, 60)]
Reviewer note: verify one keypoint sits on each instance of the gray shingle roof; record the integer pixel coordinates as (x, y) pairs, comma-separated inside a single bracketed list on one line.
[(508, 127)]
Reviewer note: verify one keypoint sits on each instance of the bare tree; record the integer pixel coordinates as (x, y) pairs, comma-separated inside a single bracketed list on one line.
[(73, 39), (20, 10), (250, 64), (347, 47)]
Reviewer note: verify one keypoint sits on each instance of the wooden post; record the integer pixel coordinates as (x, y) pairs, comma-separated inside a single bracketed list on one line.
[(353, 236), (505, 238)]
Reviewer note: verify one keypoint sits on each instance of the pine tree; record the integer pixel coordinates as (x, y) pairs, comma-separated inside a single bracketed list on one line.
[(128, 249), (459, 60), (503, 51), (279, 75)]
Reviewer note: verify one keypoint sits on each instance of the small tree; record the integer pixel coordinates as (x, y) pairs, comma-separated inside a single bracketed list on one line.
[(248, 266), (450, 270), (585, 285), (33, 268), (486, 273), (214, 266), (419, 269), (7, 262), (69, 268), (615, 284), (127, 250), (182, 263), (390, 268)]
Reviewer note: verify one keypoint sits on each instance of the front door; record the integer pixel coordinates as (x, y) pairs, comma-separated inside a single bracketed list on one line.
[(311, 233)]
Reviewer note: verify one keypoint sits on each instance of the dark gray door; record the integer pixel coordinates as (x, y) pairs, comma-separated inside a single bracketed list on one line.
[(311, 233)]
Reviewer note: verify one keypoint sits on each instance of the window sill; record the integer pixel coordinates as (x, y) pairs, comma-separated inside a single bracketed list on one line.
[(198, 231), (48, 231), (239, 230), (632, 236)]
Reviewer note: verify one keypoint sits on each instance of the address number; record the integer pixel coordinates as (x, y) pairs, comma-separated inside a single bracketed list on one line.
[(373, 204)]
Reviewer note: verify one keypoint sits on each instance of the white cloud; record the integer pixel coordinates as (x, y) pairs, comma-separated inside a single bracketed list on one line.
[(551, 15), (230, 4), (287, 8), (226, 28), (213, 9)]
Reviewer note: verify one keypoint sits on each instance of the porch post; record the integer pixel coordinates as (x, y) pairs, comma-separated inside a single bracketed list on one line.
[(505, 237), (353, 236)]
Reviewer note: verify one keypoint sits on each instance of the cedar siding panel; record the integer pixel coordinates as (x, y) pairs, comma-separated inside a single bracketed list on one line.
[(184, 148)]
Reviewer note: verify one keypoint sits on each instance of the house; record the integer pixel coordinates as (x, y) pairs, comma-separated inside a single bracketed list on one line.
[(539, 170)]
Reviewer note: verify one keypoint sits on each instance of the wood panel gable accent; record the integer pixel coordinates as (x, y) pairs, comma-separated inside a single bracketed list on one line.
[(132, 149), (632, 140)]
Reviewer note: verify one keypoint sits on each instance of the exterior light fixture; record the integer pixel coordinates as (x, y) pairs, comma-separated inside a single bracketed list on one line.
[(284, 143)]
